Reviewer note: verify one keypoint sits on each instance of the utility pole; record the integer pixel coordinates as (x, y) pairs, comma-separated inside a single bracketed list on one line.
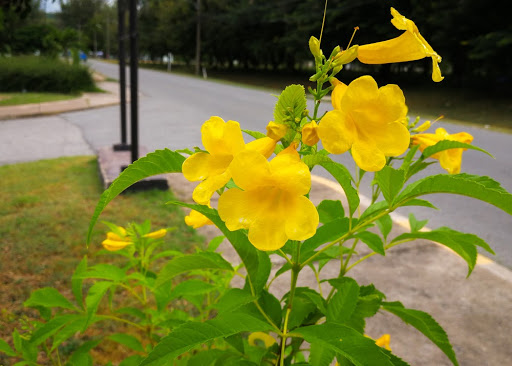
[(134, 83), (198, 37)]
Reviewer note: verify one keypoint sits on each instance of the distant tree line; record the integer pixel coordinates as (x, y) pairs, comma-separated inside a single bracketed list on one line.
[(474, 37)]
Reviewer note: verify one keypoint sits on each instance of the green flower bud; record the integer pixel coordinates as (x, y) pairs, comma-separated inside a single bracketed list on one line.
[(347, 56), (314, 47)]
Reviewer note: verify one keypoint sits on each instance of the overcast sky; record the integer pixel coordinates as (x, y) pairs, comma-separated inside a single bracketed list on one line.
[(51, 6)]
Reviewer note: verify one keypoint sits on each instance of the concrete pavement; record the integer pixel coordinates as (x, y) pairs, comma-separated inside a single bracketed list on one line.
[(476, 312)]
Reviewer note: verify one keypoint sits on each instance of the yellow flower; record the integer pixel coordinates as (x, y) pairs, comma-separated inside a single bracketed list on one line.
[(271, 202), (383, 341), (115, 242), (368, 120), (450, 159), (156, 234), (222, 140), (276, 131), (197, 220), (310, 133), (410, 46), (267, 339)]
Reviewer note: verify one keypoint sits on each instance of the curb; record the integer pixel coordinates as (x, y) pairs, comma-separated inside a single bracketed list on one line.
[(482, 261)]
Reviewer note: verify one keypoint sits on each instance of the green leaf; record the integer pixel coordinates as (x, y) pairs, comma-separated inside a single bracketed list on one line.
[(360, 350), (425, 324), (69, 330), (461, 243), (415, 224), (482, 188), (94, 296), (192, 334), (320, 355), (157, 162), (46, 330), (390, 182), (302, 307), (385, 224), (330, 210), (134, 360), (5, 348), (326, 233), (48, 297), (290, 105), (419, 202), (343, 303), (256, 134), (103, 271), (76, 281), (342, 175), (368, 303), (80, 356), (447, 145), (233, 299), (256, 262), (190, 262), (215, 242), (127, 340), (373, 241), (191, 287)]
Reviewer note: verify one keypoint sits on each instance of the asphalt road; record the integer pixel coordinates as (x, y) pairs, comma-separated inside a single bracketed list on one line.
[(172, 109)]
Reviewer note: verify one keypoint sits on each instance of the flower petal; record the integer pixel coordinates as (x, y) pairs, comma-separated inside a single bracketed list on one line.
[(221, 137), (393, 139), (290, 174), (196, 166), (302, 219), (205, 190), (267, 232), (238, 209), (337, 132), (197, 220), (249, 169), (367, 156), (451, 160), (264, 146), (337, 94)]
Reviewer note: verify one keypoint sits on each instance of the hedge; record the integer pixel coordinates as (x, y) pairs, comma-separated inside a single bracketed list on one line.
[(41, 74)]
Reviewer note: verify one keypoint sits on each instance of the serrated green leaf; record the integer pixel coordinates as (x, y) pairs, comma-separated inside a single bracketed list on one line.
[(48, 297), (157, 162), (76, 281), (233, 299), (320, 355), (46, 330), (127, 340), (5, 348), (390, 182), (342, 175), (329, 210), (482, 188), (461, 243), (207, 357), (191, 287), (190, 262), (257, 265), (271, 306), (68, 331), (302, 307), (447, 145), (255, 134), (134, 360), (192, 334), (385, 224), (290, 105), (92, 301), (360, 350), (373, 241), (324, 234), (419, 202), (104, 272), (80, 356), (341, 306), (215, 242), (415, 224), (425, 324)]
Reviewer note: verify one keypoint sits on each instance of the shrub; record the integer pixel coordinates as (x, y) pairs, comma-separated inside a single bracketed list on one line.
[(40, 74)]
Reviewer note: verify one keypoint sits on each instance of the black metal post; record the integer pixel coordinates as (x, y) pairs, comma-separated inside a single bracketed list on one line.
[(122, 67), (134, 57)]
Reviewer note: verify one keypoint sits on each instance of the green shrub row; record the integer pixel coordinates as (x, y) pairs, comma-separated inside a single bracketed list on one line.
[(41, 74)]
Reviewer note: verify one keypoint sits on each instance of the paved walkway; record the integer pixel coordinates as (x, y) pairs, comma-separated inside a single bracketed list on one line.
[(476, 312)]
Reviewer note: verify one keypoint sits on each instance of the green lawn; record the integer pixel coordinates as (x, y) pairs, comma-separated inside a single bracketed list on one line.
[(7, 99), (44, 216)]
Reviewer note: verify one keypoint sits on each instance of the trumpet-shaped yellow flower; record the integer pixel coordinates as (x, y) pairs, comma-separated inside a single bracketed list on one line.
[(410, 46), (383, 341), (156, 234), (222, 141), (451, 159), (270, 201), (115, 242), (368, 121)]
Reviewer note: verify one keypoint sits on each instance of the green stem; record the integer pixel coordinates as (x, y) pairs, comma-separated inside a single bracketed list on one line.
[(111, 317)]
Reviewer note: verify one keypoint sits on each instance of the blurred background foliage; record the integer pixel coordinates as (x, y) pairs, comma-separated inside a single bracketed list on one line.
[(474, 37)]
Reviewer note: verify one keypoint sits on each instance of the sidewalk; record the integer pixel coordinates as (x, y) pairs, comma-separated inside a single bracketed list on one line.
[(476, 313), (85, 101)]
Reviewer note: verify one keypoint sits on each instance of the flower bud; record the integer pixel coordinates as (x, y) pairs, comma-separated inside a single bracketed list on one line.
[(309, 134), (156, 234), (423, 127), (276, 131), (314, 47), (347, 56)]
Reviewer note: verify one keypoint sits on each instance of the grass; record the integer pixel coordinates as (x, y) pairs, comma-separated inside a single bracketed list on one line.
[(44, 216), (8, 99)]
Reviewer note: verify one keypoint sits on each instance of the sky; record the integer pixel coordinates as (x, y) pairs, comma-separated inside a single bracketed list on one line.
[(51, 6)]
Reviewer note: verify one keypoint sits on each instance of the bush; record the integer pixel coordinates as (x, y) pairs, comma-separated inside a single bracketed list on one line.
[(40, 74)]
